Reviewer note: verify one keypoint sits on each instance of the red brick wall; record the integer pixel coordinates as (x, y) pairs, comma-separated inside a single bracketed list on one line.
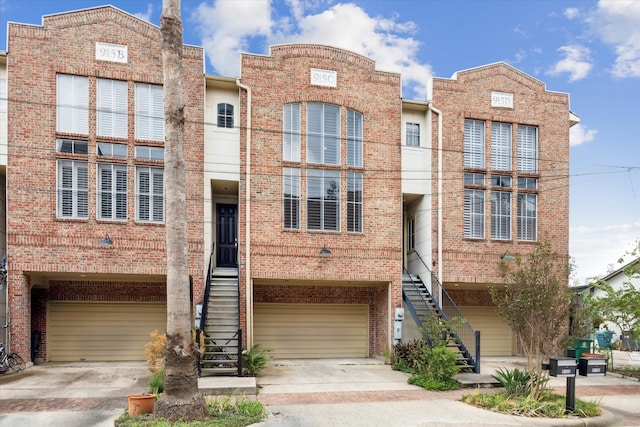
[(375, 255), (37, 240), (469, 97)]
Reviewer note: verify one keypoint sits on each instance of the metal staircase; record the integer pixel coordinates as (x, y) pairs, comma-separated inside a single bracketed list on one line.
[(421, 303), (220, 323)]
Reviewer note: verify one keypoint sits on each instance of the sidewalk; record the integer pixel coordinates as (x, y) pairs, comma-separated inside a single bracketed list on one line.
[(299, 393)]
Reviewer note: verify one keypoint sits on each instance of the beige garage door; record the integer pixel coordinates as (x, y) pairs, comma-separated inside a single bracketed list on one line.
[(102, 331), (496, 338), (308, 331)]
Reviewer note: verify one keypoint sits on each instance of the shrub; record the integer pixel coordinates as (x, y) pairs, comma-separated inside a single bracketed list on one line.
[(404, 355), (156, 383), (515, 382), (154, 351), (254, 360)]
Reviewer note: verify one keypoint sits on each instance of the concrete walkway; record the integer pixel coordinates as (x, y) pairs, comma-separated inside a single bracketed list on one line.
[(358, 392)]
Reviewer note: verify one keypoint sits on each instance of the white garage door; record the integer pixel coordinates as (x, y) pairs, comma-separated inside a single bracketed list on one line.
[(308, 331), (102, 331), (496, 338)]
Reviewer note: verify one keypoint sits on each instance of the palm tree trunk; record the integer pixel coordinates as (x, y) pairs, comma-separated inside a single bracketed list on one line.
[(181, 400)]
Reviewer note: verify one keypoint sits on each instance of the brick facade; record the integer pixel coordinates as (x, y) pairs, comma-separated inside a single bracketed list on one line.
[(468, 96), (44, 248), (373, 256)]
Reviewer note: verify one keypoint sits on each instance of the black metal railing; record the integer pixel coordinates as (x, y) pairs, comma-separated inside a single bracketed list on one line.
[(462, 330), (207, 290)]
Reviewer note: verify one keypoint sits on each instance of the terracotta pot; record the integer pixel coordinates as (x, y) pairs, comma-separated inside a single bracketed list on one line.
[(140, 403)]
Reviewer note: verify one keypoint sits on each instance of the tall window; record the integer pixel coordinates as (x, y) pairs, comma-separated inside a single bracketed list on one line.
[(354, 202), (323, 200), (291, 206), (474, 144), (149, 194), (354, 138), (501, 146), (225, 115), (72, 104), (411, 234), (291, 133), (527, 148), (73, 189), (500, 215), (112, 191), (413, 135), (323, 133), (111, 102), (149, 112), (474, 213), (527, 217)]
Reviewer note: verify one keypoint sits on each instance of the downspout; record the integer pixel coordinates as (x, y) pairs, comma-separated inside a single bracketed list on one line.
[(247, 221), (439, 113)]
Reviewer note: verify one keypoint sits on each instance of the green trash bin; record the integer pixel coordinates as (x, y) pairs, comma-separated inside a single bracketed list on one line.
[(582, 346)]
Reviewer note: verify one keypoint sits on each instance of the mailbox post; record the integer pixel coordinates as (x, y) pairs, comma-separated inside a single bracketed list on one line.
[(565, 367)]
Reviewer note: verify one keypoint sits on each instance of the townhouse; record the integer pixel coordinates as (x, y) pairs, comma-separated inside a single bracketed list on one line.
[(318, 198)]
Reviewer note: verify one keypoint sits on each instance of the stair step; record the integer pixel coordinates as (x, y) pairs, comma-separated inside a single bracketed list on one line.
[(219, 371)]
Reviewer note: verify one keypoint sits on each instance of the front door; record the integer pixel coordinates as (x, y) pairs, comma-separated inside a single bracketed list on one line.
[(227, 236)]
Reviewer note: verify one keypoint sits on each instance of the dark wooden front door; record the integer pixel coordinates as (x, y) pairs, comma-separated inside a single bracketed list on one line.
[(227, 236)]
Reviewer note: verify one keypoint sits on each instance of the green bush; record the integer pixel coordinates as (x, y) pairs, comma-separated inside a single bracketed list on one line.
[(254, 360), (432, 366), (156, 383), (516, 382)]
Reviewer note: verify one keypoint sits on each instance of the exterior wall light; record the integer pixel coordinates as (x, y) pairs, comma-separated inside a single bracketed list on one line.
[(106, 241), (507, 257), (324, 251)]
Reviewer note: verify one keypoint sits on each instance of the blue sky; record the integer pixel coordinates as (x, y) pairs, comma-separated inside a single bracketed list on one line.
[(587, 48)]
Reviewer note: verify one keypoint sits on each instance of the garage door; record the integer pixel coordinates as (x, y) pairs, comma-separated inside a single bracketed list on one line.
[(496, 338), (102, 331), (308, 331)]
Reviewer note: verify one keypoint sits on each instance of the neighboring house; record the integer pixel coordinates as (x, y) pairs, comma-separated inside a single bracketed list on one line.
[(617, 279), (312, 186)]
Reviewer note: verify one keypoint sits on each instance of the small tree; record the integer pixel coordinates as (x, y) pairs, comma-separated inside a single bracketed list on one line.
[(536, 303)]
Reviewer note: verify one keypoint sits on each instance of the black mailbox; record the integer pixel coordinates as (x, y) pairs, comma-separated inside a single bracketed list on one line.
[(562, 367), (592, 366)]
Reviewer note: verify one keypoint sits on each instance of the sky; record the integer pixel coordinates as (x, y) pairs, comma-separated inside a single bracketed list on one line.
[(589, 49)]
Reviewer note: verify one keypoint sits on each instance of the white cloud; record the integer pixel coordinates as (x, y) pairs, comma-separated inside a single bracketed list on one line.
[(595, 249), (617, 23), (571, 12), (579, 134), (577, 62), (226, 32), (145, 16)]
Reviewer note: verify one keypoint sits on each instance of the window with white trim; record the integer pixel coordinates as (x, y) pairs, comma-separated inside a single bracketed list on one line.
[(323, 200), (323, 133), (149, 112), (474, 144), (72, 104), (354, 202), (291, 132), (111, 104), (112, 191), (501, 146), (474, 213), (149, 194), (527, 148), (73, 189), (354, 138), (149, 153), (291, 207), (412, 135), (111, 150), (500, 215), (225, 115), (527, 217)]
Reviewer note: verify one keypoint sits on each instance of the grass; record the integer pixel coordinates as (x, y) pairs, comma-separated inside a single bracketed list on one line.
[(551, 405), (627, 371), (223, 412)]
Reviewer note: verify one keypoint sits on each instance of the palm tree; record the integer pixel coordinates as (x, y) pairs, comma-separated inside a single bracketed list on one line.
[(181, 400)]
